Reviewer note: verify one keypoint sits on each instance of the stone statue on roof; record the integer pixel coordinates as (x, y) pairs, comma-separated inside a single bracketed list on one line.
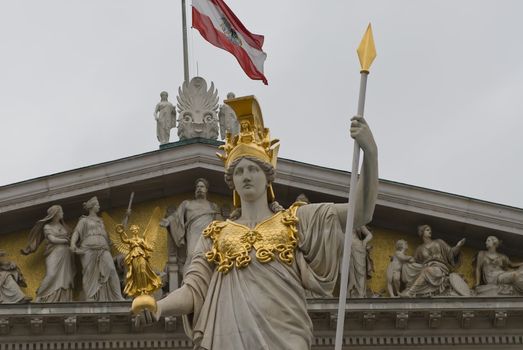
[(165, 116), (227, 118)]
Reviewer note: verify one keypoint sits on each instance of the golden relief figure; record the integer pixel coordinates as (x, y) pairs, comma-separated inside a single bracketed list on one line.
[(141, 280)]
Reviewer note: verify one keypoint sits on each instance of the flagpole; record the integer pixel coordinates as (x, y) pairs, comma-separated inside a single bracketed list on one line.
[(366, 53), (185, 50)]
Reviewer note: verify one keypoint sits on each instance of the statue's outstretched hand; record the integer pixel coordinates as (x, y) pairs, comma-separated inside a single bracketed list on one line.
[(360, 131)]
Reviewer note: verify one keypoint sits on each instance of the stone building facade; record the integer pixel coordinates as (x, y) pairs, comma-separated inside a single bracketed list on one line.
[(166, 177)]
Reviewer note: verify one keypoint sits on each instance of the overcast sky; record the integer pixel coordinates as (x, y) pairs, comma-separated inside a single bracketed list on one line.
[(79, 81)]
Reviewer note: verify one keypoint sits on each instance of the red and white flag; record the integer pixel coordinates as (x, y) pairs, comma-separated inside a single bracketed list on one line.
[(219, 25)]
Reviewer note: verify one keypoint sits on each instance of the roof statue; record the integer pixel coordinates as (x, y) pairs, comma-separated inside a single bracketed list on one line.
[(227, 118), (197, 109), (165, 116)]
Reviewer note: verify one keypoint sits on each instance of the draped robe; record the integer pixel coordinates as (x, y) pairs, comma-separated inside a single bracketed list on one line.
[(263, 306)]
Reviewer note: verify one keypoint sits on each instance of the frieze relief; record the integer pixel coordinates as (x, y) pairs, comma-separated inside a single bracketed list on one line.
[(385, 263)]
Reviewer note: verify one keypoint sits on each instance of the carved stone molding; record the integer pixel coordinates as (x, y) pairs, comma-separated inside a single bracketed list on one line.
[(439, 323), (70, 325), (500, 319), (434, 319), (369, 319), (170, 323), (104, 324), (466, 319), (371, 341), (5, 326), (37, 325), (402, 319)]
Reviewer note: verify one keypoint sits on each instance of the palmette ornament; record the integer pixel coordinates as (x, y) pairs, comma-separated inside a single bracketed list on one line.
[(141, 280)]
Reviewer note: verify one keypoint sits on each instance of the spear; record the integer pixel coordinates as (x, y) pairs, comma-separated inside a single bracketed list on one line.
[(366, 54), (128, 211)]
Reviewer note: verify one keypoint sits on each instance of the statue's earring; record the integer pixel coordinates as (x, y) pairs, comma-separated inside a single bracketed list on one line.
[(236, 201), (271, 197)]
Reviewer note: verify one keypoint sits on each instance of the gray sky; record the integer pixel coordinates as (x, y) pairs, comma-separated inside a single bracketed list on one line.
[(79, 81)]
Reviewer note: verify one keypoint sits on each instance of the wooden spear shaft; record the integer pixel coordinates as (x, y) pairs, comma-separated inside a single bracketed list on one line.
[(366, 53)]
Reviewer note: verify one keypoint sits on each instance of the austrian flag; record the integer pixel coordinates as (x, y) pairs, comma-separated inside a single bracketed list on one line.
[(219, 25)]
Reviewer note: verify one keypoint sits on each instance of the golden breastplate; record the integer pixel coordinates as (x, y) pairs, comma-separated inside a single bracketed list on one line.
[(274, 237)]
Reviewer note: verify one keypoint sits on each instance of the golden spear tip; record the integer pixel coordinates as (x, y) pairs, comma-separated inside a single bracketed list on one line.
[(366, 50)]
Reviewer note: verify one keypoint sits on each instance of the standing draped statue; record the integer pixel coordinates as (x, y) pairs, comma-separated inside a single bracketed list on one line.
[(188, 221), (58, 283), (99, 277), (361, 265), (227, 119), (245, 286), (165, 116)]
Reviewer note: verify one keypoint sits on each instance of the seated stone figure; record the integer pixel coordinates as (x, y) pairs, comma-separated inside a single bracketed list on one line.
[(435, 260), (495, 274), (11, 279)]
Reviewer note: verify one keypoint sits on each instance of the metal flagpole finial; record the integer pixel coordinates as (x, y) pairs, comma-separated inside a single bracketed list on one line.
[(366, 50)]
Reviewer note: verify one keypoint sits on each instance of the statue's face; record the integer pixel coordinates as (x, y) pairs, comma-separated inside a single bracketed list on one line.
[(96, 207), (134, 229), (427, 232), (491, 242), (249, 180), (60, 214), (198, 123), (200, 191)]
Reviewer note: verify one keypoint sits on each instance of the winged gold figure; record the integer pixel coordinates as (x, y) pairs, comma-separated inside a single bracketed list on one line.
[(137, 247)]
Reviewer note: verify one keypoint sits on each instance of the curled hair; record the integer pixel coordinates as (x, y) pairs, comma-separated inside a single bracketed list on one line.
[(204, 180), (90, 203), (400, 244), (496, 240), (267, 168), (269, 172)]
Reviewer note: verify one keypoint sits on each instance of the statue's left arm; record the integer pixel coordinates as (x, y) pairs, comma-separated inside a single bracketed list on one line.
[(508, 263), (367, 187)]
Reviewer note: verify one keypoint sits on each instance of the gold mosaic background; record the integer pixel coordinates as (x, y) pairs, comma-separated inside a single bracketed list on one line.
[(384, 246), (383, 243), (33, 266)]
